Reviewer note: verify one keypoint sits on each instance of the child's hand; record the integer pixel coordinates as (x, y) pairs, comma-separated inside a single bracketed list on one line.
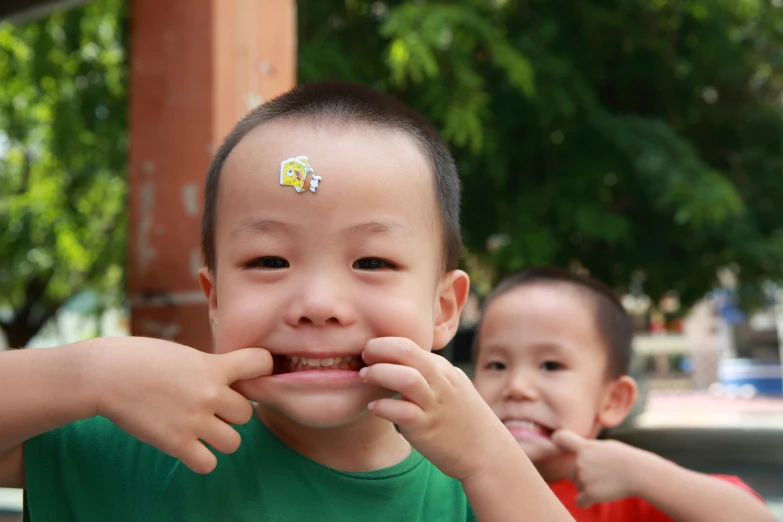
[(174, 397), (605, 470), (440, 412)]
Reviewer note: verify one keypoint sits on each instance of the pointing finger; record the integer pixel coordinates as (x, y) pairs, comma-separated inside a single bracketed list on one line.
[(569, 441)]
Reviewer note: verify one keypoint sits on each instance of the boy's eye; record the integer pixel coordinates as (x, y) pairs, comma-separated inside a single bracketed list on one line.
[(551, 366), (373, 263), (496, 366), (274, 263)]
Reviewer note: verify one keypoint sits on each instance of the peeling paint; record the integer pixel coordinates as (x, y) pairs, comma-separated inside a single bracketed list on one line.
[(167, 299), (254, 100), (264, 67), (148, 167), (162, 330), (190, 199), (145, 252)]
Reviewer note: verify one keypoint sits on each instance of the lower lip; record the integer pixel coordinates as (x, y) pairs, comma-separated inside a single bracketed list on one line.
[(319, 376), (525, 433)]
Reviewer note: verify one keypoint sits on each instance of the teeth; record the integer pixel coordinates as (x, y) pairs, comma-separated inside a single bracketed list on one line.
[(522, 424), (321, 363)]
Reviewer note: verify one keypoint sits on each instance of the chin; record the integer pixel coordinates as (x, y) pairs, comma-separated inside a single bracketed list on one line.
[(320, 414), (323, 409)]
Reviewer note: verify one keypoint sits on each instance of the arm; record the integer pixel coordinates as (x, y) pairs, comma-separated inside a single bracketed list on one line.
[(40, 390), (513, 477), (170, 396), (442, 415), (688, 496), (608, 470)]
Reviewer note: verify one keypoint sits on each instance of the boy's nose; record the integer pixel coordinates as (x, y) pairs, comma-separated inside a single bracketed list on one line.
[(319, 303), (521, 388)]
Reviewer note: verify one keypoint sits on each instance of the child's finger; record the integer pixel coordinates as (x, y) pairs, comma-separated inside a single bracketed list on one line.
[(398, 350), (221, 437), (197, 457), (401, 379), (247, 363), (234, 408), (569, 441), (396, 411)]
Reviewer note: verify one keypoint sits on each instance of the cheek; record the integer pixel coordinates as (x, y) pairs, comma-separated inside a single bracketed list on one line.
[(243, 313), (398, 312), (576, 404)]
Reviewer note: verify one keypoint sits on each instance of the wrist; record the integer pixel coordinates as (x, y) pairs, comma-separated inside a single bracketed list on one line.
[(498, 459), (647, 470), (90, 377)]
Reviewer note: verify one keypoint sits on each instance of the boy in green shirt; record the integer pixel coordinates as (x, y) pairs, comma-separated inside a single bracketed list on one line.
[(331, 241)]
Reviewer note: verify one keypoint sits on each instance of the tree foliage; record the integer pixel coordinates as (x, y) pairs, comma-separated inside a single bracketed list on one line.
[(63, 141), (621, 135), (626, 136)]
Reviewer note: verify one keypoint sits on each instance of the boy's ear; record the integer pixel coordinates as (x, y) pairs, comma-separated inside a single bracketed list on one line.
[(452, 296), (618, 401), (207, 282)]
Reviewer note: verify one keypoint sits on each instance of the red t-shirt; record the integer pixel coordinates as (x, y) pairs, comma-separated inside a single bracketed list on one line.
[(623, 510)]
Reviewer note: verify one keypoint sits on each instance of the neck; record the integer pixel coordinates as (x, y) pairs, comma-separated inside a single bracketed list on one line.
[(366, 444)]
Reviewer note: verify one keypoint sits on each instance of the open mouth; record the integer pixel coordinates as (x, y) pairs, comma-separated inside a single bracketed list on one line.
[(517, 426), (294, 363)]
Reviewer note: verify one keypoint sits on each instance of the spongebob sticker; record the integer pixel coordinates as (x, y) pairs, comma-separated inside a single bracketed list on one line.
[(296, 172)]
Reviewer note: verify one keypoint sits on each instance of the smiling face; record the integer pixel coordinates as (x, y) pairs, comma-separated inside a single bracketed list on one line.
[(312, 277), (542, 366)]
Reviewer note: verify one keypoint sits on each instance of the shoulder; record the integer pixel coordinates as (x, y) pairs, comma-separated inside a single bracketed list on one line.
[(440, 496), (92, 466), (625, 509), (736, 481), (91, 445), (95, 439), (619, 510)]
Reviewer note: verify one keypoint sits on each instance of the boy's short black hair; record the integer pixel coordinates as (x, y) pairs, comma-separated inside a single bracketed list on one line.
[(344, 102), (613, 322)]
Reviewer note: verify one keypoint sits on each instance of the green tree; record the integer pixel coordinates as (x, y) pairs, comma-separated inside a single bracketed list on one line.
[(622, 135), (63, 154)]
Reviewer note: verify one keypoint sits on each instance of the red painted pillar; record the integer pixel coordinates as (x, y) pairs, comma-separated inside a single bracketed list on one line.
[(197, 66)]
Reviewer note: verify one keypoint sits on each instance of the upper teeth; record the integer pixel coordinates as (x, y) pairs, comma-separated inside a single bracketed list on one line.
[(328, 361), (521, 424)]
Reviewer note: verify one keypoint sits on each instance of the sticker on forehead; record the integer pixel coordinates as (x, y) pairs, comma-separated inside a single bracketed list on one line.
[(296, 172)]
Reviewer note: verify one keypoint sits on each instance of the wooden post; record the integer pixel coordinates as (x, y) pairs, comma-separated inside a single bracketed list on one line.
[(197, 66)]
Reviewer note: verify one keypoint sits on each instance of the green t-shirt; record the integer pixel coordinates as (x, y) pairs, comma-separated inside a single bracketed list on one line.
[(93, 471)]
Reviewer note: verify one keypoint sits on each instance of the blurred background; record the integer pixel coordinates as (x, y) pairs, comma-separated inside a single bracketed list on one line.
[(638, 141)]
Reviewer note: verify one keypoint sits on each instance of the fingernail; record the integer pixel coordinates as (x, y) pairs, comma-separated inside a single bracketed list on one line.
[(371, 406), (363, 372)]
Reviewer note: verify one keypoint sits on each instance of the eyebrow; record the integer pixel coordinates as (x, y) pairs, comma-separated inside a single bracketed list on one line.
[(380, 228), (541, 347), (271, 226), (550, 346), (259, 226)]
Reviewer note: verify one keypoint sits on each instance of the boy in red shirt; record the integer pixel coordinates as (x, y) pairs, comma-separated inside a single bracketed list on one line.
[(552, 355)]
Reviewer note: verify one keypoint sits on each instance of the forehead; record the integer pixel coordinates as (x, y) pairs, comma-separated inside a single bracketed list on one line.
[(363, 171), (543, 314)]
